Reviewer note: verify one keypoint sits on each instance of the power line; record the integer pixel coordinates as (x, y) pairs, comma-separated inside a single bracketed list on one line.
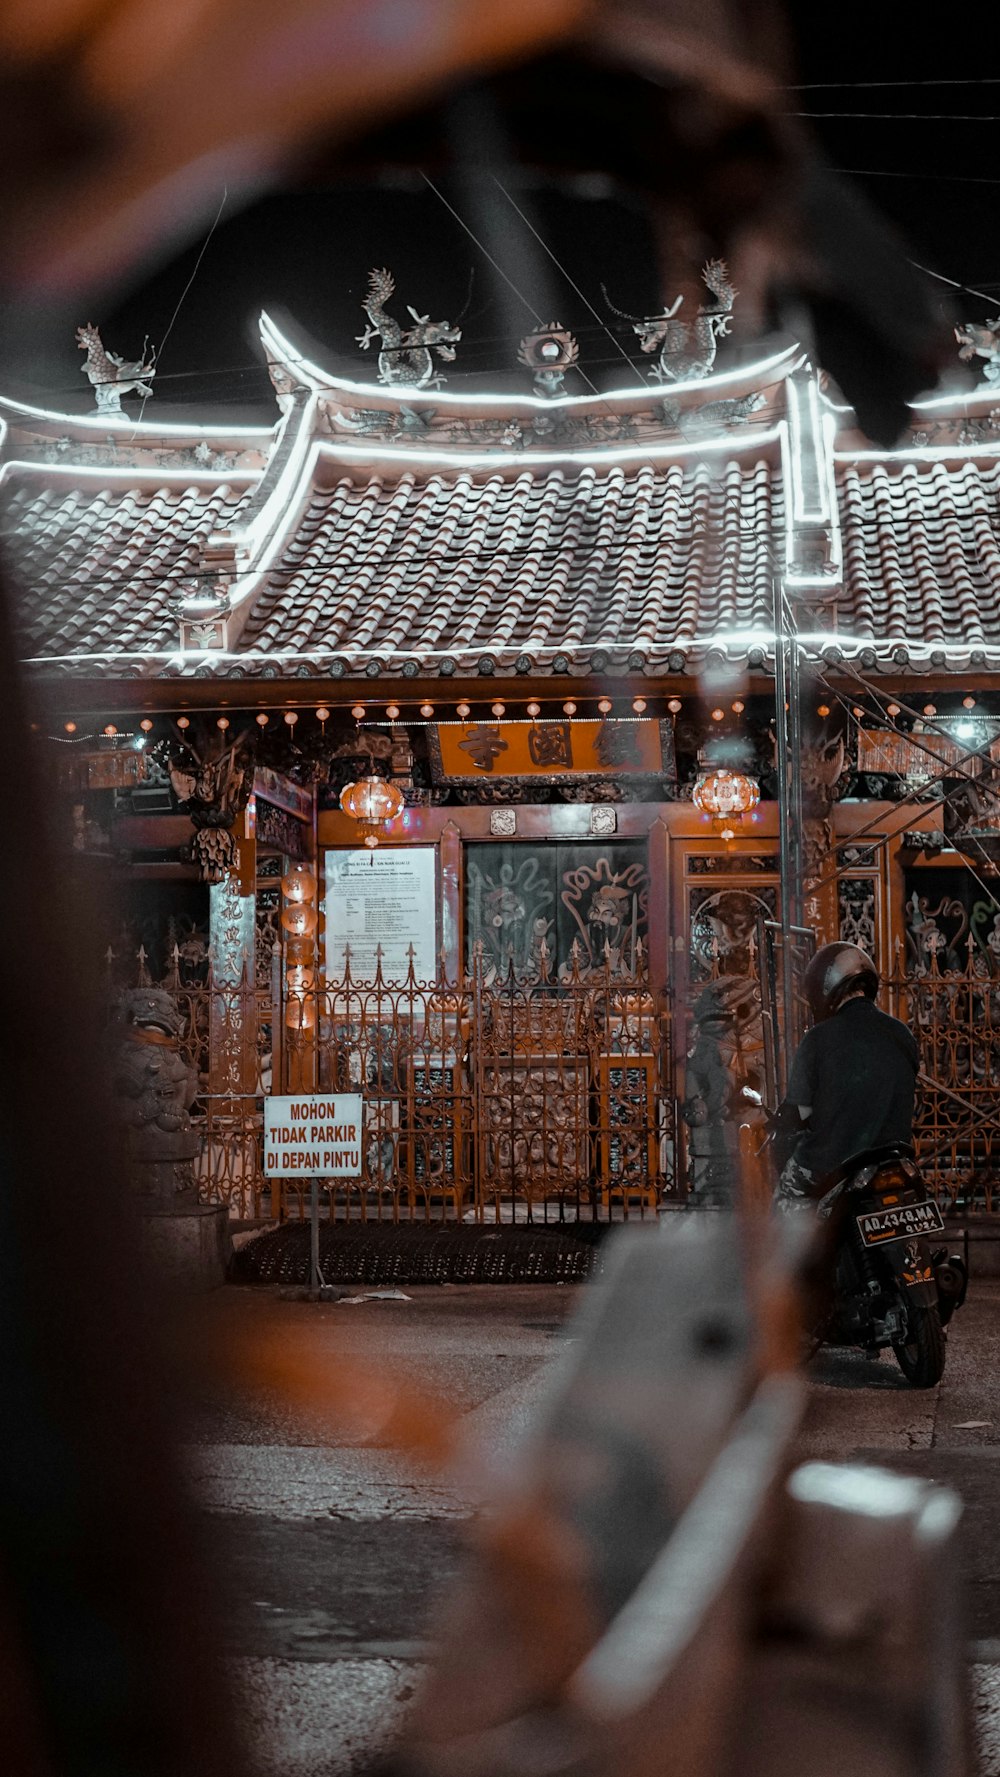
[(499, 269), (818, 86), (560, 267), (483, 250), (197, 266), (886, 173), (955, 285), (899, 116)]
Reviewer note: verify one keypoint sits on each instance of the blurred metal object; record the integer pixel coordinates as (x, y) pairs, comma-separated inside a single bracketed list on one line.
[(120, 121), (120, 124), (655, 1592)]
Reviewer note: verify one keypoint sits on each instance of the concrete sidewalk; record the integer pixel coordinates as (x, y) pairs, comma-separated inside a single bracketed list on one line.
[(335, 1549)]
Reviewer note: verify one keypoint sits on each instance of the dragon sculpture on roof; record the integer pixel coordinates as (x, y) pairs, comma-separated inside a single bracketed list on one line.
[(405, 358), (111, 377), (687, 348), (978, 341)]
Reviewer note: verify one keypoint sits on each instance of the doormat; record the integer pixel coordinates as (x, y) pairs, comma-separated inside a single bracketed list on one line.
[(381, 1253)]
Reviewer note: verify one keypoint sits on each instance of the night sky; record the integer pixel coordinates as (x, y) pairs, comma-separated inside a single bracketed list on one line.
[(304, 252)]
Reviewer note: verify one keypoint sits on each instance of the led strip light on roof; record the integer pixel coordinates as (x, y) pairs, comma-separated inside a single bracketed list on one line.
[(742, 638), (323, 381), (125, 422), (137, 476), (922, 453), (737, 445), (808, 438), (986, 392)]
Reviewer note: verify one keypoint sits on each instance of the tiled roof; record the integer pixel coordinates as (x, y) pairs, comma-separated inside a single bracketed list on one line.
[(921, 546), (97, 567), (633, 560)]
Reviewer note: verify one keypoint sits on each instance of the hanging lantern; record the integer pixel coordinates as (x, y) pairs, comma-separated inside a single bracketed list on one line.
[(373, 804), (298, 920), (725, 796), (299, 884)]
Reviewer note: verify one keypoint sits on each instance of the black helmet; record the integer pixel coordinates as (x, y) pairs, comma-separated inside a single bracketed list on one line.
[(835, 971)]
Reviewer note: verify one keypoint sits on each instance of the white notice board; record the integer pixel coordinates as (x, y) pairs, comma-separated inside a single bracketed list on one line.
[(316, 1135), (386, 898)]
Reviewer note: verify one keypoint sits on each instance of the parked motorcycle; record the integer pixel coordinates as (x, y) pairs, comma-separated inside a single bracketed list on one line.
[(891, 1284)]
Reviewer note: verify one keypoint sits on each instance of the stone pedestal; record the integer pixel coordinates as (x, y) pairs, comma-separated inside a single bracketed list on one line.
[(188, 1246)]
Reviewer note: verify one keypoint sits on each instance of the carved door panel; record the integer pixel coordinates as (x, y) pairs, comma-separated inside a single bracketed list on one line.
[(720, 898), (527, 902)]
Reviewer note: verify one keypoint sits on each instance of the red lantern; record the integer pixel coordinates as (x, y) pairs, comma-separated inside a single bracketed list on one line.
[(726, 796), (373, 804)]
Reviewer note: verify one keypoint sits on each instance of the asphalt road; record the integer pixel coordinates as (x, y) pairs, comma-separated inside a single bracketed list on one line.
[(332, 1549)]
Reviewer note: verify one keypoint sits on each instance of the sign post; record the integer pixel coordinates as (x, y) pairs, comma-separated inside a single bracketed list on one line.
[(313, 1136)]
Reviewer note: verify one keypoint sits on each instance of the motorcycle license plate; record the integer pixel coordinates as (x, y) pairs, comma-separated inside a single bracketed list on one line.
[(907, 1222)]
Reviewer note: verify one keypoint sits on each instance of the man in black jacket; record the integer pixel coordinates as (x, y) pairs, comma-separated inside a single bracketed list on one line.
[(853, 1078)]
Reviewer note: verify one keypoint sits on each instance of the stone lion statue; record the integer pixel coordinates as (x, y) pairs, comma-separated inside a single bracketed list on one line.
[(154, 1087)]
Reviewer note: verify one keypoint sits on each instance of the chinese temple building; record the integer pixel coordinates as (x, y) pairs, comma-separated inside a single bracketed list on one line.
[(627, 685)]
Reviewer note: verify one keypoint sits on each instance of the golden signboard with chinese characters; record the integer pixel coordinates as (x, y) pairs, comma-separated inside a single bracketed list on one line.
[(929, 753), (110, 769), (469, 752)]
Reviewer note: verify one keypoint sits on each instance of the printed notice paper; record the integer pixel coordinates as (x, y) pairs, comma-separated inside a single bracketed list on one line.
[(382, 898)]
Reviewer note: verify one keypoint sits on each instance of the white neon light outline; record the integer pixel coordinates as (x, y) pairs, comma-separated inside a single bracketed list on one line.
[(956, 400), (735, 444), (147, 428), (797, 446), (137, 476), (325, 382), (819, 639), (820, 437), (827, 517), (988, 392), (287, 492), (836, 406), (922, 453)]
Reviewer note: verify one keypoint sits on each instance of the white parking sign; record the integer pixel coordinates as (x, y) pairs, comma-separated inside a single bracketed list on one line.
[(314, 1136)]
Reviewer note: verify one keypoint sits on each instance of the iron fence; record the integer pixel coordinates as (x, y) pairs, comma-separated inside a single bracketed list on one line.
[(513, 1097), (955, 1014), (525, 1097)]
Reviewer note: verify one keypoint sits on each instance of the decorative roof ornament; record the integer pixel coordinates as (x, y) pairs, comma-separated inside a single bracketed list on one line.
[(549, 352), (981, 342), (687, 348), (405, 359), (112, 377)]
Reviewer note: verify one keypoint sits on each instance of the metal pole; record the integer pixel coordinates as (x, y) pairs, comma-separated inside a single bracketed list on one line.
[(789, 763), (315, 1275)]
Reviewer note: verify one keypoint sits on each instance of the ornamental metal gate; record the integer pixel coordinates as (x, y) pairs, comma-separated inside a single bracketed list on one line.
[(523, 1097), (955, 1015), (512, 1097)]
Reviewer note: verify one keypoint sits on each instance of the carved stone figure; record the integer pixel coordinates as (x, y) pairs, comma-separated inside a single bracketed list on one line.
[(111, 377), (687, 348), (154, 1087), (405, 358), (981, 342)]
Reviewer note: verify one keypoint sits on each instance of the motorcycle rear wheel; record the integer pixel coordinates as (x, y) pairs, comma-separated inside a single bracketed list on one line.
[(921, 1359)]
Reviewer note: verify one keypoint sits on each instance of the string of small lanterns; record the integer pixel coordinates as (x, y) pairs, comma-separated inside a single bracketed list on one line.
[(374, 712)]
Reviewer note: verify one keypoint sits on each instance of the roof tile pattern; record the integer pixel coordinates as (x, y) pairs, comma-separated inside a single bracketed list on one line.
[(921, 551), (97, 567), (636, 560)]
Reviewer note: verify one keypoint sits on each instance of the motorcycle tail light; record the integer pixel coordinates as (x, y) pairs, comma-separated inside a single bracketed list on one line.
[(891, 1180)]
